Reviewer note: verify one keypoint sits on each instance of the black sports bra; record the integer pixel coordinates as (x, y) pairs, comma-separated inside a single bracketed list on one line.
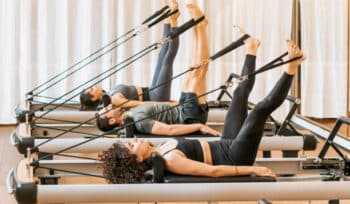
[(129, 92), (192, 149)]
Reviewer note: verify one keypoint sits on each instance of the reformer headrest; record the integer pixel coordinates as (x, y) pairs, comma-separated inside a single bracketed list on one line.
[(129, 129), (310, 142), (156, 174)]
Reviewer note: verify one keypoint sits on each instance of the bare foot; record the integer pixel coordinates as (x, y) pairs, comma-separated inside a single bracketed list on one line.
[(174, 17), (196, 13), (293, 52), (252, 43), (240, 29)]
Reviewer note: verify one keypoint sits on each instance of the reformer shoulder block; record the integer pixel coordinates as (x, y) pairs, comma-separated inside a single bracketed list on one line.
[(130, 131), (310, 142), (160, 175)]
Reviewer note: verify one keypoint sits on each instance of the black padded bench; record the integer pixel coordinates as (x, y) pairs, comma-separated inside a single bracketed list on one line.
[(159, 174)]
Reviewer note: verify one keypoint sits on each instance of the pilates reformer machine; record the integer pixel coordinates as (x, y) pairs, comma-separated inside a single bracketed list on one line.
[(23, 139), (48, 119), (40, 143), (318, 178)]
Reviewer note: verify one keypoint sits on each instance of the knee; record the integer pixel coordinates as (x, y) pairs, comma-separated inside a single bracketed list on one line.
[(240, 92), (263, 106)]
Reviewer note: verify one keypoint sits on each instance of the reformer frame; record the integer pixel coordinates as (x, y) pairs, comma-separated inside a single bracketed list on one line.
[(330, 182)]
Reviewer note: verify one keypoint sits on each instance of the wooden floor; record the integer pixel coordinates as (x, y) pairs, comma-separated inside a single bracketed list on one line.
[(9, 159)]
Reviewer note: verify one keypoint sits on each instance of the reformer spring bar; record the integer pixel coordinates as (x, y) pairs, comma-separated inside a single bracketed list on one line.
[(133, 33), (126, 62), (225, 86), (172, 35)]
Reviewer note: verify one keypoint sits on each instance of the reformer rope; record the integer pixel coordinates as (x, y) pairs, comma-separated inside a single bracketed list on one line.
[(141, 53), (99, 56), (131, 59), (227, 84), (155, 15), (172, 35), (128, 124)]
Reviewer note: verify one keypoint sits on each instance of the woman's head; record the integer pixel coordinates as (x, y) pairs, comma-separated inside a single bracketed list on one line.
[(109, 118), (123, 163), (91, 97)]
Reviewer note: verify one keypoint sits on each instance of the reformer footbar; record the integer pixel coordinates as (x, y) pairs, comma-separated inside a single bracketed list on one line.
[(159, 15), (27, 191)]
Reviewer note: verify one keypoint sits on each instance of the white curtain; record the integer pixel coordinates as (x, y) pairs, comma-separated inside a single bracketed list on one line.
[(324, 74), (41, 38)]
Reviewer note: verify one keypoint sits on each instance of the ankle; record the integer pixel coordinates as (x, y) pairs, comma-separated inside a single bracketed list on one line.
[(252, 51), (292, 69)]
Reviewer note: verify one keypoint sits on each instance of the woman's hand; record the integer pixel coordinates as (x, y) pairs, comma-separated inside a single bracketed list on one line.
[(263, 171), (173, 103), (207, 130)]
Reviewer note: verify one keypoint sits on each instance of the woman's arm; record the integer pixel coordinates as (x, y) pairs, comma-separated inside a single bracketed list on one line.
[(119, 99), (160, 128), (177, 163)]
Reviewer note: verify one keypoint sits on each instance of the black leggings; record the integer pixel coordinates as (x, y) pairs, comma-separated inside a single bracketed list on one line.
[(245, 130), (164, 68)]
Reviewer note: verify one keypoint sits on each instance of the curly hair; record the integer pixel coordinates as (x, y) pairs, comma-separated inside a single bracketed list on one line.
[(120, 166), (86, 101)]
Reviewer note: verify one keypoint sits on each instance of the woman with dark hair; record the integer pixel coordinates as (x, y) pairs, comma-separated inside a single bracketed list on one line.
[(233, 155), (90, 98)]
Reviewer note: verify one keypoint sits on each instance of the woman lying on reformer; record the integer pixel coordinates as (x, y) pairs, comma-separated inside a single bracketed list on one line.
[(134, 95), (233, 155)]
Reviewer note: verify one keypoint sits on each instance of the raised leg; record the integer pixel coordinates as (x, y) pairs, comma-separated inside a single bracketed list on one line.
[(195, 81), (244, 148), (164, 72), (238, 109)]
